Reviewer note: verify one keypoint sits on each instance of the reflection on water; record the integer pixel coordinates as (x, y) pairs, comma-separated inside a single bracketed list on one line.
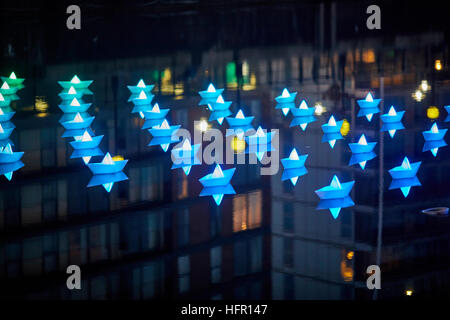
[(152, 236)]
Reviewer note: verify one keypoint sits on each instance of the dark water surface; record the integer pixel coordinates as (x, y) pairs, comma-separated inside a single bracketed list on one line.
[(152, 236)]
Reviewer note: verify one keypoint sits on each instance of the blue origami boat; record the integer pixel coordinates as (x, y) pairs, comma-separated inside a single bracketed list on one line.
[(142, 104), (286, 97), (392, 116), (335, 190), (303, 110), (164, 130), (71, 116), (67, 95), (8, 92), (6, 116), (332, 126), (8, 156), (209, 95), (294, 167), (156, 113), (107, 180), (260, 137), (240, 120), (5, 132), (368, 107), (74, 106), (4, 102), (434, 133), (78, 122), (405, 170), (185, 157), (218, 177), (447, 108), (13, 81), (335, 196), (219, 104), (86, 141), (362, 146), (141, 86), (217, 184), (76, 83), (107, 166), (7, 169)]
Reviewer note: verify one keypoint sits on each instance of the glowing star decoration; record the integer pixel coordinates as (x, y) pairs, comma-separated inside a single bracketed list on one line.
[(164, 135), (5, 116), (335, 196), (447, 108), (142, 104), (239, 125), (362, 151), (434, 139), (154, 117), (331, 131), (8, 156), (209, 95), (107, 172), (217, 184), (368, 107), (76, 83), (185, 157), (294, 167), (4, 102), (260, 142), (8, 92), (219, 105), (89, 143), (285, 101), (13, 81), (78, 122), (404, 176), (67, 95), (392, 121), (5, 132), (74, 106), (9, 161)]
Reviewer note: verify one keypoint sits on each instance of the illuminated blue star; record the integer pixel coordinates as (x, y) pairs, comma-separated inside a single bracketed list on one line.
[(404, 176), (335, 196), (332, 131), (294, 166), (368, 107), (362, 151), (185, 157), (392, 121), (434, 139), (209, 95), (217, 184), (286, 101)]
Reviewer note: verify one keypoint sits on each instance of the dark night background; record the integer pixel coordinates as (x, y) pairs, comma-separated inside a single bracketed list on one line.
[(152, 236)]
